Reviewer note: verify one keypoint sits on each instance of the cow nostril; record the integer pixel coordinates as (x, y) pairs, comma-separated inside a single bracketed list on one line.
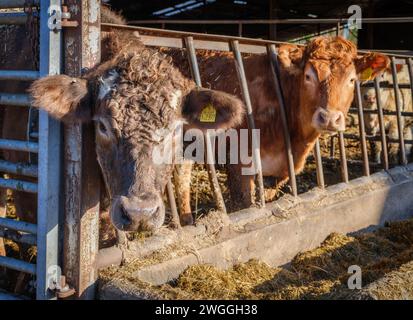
[(321, 117), (125, 216), (338, 120)]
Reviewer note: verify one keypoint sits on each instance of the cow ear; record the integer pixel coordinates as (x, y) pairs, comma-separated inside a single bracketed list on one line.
[(290, 57), (63, 97), (371, 64), (210, 109)]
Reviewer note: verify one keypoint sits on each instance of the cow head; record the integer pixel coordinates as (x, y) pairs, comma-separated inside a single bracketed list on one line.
[(369, 99), (129, 99), (327, 69)]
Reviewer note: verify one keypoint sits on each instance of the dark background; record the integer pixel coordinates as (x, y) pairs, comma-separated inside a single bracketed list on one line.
[(394, 36)]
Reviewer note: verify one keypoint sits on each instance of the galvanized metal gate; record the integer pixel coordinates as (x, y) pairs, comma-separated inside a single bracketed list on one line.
[(45, 234)]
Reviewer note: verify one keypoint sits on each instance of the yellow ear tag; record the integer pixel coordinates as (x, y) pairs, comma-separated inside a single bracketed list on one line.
[(367, 74), (208, 114)]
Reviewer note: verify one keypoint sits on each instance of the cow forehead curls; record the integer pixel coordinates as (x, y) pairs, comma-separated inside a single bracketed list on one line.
[(330, 55), (145, 92)]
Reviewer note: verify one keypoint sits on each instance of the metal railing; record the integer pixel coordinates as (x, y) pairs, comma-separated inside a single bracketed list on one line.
[(169, 38), (44, 234)]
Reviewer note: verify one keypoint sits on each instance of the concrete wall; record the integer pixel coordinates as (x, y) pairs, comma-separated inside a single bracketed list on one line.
[(288, 226)]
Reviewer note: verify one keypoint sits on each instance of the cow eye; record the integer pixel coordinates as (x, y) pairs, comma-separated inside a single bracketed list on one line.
[(353, 80), (102, 127), (307, 77)]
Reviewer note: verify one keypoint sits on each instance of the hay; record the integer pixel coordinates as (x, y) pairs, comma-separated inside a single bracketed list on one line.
[(317, 274)]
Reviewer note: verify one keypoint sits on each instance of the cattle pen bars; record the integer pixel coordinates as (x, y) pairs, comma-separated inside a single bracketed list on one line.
[(44, 234)]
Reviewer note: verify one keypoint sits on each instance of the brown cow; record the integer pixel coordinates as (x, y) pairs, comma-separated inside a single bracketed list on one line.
[(130, 97), (318, 84), (132, 94)]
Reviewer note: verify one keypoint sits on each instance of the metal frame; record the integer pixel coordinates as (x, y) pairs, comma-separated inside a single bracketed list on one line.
[(45, 234)]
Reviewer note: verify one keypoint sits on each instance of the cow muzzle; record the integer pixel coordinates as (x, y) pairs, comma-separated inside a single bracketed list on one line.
[(143, 213), (325, 120)]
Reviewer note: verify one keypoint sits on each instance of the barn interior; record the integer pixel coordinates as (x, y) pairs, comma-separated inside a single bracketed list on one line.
[(187, 15)]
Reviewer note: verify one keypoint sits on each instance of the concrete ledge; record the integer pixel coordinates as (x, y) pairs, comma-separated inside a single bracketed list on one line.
[(288, 226)]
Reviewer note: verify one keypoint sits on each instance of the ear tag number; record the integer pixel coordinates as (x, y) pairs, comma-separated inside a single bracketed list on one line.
[(208, 114), (367, 74)]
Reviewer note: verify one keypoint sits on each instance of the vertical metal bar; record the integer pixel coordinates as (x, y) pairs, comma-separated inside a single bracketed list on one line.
[(385, 158), (409, 62), (250, 117), (319, 164), (343, 159), (239, 29), (363, 143), (172, 203), (82, 190), (338, 29), (399, 111), (189, 44), (332, 147), (49, 202), (271, 51)]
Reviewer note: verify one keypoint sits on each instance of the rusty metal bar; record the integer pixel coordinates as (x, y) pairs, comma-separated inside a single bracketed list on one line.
[(374, 138), (385, 156), (23, 75), (25, 169), (6, 4), (210, 157), (398, 110), (385, 112), (386, 84), (362, 131), (18, 237), (18, 265), (274, 21), (18, 99), (332, 147), (173, 38), (409, 62), (18, 225), (283, 113), (343, 158), (319, 164), (239, 65), (18, 185), (18, 145), (172, 204)]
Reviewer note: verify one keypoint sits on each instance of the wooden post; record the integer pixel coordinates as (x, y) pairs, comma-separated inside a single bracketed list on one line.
[(82, 194)]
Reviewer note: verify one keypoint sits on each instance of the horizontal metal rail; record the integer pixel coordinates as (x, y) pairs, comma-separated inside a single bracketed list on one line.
[(385, 112), (11, 99), (172, 38), (386, 85), (274, 21), (25, 169), (18, 265), (18, 185), (22, 75), (374, 138), (14, 18), (18, 145), (6, 4), (18, 237), (34, 135), (18, 225)]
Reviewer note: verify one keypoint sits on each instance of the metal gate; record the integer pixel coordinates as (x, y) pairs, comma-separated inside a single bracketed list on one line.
[(44, 234)]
